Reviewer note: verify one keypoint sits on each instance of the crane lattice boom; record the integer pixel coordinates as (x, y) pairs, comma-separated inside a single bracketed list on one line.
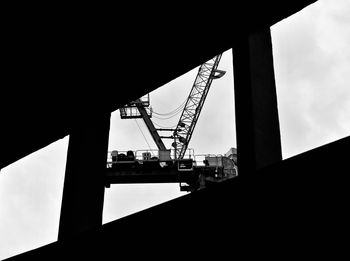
[(194, 104)]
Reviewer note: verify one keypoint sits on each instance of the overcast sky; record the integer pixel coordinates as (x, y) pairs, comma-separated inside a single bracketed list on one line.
[(312, 67)]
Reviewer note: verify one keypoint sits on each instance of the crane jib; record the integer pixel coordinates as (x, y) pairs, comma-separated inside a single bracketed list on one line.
[(194, 104), (183, 131)]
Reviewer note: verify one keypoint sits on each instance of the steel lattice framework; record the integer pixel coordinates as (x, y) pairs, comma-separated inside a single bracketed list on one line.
[(194, 104)]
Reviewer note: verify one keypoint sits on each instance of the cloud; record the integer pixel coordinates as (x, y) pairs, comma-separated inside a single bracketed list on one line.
[(125, 199), (312, 72), (30, 199)]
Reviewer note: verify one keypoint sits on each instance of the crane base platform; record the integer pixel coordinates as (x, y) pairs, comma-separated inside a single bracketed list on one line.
[(189, 177)]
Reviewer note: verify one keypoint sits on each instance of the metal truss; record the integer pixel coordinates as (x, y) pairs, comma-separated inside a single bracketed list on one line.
[(194, 104), (131, 111)]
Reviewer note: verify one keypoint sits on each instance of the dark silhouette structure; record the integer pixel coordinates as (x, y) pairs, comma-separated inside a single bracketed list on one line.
[(74, 71)]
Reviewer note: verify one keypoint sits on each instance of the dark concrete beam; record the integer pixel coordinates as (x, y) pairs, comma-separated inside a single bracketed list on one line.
[(52, 55), (297, 207), (83, 192), (257, 123)]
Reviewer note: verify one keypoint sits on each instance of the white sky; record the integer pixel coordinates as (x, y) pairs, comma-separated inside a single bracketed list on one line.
[(312, 66)]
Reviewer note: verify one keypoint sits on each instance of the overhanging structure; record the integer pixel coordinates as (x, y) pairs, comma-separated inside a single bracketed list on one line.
[(59, 71), (61, 78)]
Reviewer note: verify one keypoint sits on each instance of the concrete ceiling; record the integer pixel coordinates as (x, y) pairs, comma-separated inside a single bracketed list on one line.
[(61, 68)]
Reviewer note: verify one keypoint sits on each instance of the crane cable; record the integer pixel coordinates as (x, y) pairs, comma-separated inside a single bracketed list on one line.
[(144, 136), (173, 112), (167, 118), (160, 126)]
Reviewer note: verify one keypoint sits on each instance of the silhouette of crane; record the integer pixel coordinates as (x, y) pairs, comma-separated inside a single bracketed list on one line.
[(128, 167)]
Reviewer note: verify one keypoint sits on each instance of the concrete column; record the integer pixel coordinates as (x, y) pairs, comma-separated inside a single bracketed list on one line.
[(83, 192), (257, 123)]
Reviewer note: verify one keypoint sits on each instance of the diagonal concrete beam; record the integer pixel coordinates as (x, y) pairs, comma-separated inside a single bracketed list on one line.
[(257, 123), (83, 191)]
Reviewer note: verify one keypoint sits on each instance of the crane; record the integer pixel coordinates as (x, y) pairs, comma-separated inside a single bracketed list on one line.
[(128, 168), (194, 104), (137, 109), (183, 132)]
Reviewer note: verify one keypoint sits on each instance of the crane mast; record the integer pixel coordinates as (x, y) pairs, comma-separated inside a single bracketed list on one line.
[(194, 104)]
